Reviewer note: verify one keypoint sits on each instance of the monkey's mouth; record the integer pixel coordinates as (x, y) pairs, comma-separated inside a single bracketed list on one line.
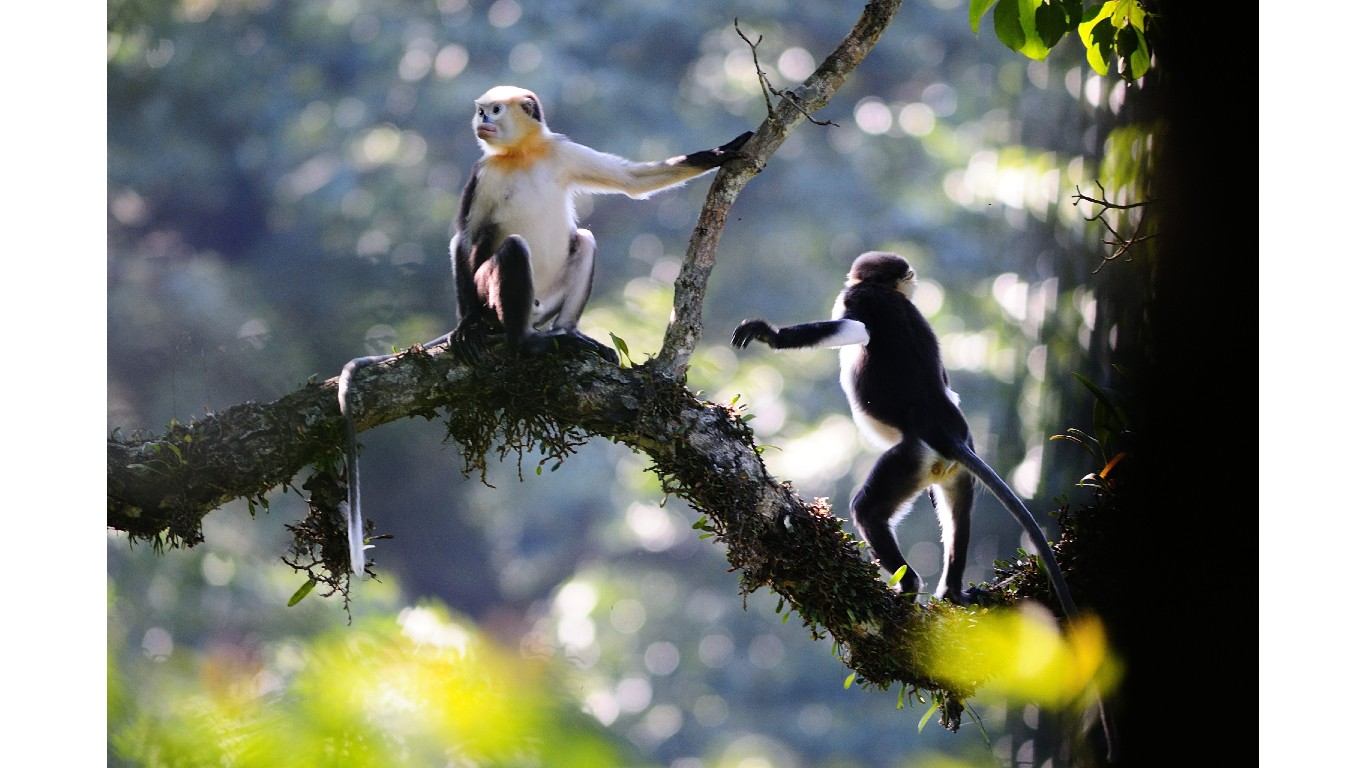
[(486, 131)]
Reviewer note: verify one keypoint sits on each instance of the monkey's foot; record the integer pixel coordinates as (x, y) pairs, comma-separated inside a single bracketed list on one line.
[(965, 597), (469, 343), (553, 340)]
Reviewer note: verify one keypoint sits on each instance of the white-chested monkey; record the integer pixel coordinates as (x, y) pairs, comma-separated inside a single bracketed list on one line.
[(898, 391), (519, 259), (521, 264)]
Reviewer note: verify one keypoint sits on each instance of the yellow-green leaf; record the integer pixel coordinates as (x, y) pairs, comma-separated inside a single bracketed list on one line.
[(301, 592)]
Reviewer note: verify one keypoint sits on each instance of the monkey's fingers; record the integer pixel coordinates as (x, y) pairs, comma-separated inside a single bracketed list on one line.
[(732, 148), (750, 330), (712, 158)]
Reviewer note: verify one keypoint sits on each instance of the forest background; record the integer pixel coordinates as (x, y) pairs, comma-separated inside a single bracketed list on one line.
[(213, 375)]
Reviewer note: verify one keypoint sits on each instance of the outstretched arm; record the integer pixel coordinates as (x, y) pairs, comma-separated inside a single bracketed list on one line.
[(825, 333), (602, 172)]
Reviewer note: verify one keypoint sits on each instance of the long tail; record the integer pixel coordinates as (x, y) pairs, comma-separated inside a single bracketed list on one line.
[(1022, 515), (355, 521), (1026, 519)]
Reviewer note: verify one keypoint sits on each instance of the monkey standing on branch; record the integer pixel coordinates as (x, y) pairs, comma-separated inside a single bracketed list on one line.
[(898, 391), (521, 264)]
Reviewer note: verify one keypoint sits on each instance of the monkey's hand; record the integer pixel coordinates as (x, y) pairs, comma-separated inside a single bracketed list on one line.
[(750, 330), (716, 156)]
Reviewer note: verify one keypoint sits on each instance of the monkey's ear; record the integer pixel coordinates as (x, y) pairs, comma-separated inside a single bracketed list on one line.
[(532, 107)]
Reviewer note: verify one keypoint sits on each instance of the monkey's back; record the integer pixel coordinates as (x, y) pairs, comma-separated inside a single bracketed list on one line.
[(903, 382)]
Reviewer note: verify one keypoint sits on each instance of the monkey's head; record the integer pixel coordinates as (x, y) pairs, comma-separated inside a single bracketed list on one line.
[(882, 268), (505, 116)]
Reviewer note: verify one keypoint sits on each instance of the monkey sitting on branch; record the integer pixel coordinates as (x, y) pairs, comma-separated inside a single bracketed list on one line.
[(521, 265)]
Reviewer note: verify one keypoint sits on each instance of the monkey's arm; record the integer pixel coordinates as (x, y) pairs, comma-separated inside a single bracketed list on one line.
[(825, 333), (602, 172)]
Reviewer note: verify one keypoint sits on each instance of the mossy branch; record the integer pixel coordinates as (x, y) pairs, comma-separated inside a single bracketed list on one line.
[(160, 487)]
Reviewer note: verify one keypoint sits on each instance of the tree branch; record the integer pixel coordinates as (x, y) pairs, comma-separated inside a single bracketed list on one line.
[(685, 326), (160, 488)]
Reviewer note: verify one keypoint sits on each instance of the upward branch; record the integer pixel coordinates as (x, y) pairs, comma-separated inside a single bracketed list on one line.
[(796, 106)]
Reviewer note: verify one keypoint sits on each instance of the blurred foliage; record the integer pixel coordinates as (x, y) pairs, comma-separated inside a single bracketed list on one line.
[(282, 179), (421, 690)]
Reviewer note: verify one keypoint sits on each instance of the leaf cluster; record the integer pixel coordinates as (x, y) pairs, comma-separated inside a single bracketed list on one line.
[(1116, 29)]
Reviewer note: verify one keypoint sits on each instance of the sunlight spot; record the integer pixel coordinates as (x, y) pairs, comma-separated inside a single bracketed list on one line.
[(766, 651), (525, 57), (661, 658), (634, 694), (873, 116), (380, 339), (1025, 478), (652, 525), (796, 64), (576, 633), (715, 650), (603, 706), (217, 571), (819, 456), (157, 644), (504, 13), (451, 60), (1012, 294), (941, 98), (415, 64), (255, 333), (577, 598), (380, 144), (916, 119), (663, 721), (425, 626), (627, 616)]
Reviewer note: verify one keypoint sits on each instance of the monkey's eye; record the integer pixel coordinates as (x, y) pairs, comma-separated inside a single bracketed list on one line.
[(497, 110)]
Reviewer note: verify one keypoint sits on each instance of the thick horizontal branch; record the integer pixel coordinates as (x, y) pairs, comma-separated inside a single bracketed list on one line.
[(163, 486)]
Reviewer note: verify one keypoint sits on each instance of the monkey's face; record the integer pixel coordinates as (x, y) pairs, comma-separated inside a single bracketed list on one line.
[(505, 116)]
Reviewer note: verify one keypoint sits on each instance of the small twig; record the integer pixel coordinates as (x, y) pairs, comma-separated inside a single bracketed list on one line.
[(763, 78), (1122, 245), (767, 87)]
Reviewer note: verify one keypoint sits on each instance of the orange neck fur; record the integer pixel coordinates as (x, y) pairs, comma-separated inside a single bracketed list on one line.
[(521, 155)]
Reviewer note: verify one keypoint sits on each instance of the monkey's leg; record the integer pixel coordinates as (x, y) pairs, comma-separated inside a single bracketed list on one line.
[(578, 283), (885, 496), (504, 285), (953, 504), (578, 286)]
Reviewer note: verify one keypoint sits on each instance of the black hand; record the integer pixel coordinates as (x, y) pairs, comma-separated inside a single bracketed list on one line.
[(750, 330), (712, 158)]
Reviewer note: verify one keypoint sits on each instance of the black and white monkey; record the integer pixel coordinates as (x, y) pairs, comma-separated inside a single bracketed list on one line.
[(893, 375), (898, 391), (521, 264)]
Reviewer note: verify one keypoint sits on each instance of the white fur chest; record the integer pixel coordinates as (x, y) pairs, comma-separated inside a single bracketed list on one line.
[(535, 204)]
